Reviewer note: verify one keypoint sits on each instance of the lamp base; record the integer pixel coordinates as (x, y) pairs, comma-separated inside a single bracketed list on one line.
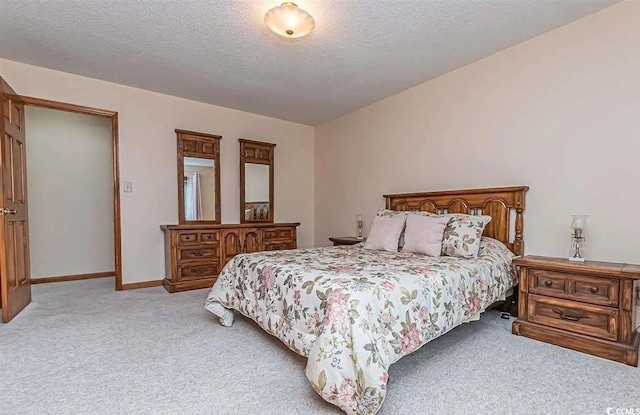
[(576, 259)]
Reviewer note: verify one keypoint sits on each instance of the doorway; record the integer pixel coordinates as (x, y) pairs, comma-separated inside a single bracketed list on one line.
[(112, 119), (69, 182)]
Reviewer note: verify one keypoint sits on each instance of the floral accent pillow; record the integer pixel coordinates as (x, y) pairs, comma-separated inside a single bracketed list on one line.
[(386, 213), (463, 234)]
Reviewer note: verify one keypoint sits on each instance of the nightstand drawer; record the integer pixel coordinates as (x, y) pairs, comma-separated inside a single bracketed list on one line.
[(594, 290), (590, 320)]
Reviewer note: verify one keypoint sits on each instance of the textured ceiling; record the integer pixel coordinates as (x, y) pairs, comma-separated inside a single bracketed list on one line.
[(220, 52)]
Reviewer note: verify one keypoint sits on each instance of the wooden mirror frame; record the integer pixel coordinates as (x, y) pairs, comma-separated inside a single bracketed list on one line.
[(199, 145), (256, 152)]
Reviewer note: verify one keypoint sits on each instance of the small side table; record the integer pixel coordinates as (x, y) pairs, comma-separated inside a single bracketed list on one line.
[(345, 240)]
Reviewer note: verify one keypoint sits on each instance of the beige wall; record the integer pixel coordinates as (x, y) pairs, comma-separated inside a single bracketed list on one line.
[(70, 191), (148, 157), (560, 113)]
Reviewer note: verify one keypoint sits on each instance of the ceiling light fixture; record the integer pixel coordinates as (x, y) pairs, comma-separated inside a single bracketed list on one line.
[(288, 20)]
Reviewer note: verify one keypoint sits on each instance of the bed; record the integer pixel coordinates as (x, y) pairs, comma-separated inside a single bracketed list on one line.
[(353, 312)]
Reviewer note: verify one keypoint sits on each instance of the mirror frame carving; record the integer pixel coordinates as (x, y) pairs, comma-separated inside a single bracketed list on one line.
[(256, 152), (198, 145)]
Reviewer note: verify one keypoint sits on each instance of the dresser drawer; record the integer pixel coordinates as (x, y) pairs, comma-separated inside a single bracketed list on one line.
[(187, 237), (587, 319), (202, 253), (209, 236), (190, 237), (594, 290), (276, 233), (197, 271), (278, 246)]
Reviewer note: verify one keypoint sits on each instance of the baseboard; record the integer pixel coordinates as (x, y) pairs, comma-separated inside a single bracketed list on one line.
[(143, 284), (77, 277)]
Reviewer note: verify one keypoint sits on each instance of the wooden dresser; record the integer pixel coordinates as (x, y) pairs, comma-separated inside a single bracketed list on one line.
[(589, 307), (195, 254)]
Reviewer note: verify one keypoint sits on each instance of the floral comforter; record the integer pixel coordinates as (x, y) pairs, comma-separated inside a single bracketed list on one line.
[(353, 312)]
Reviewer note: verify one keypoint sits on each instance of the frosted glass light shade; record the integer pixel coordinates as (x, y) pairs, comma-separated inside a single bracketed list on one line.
[(288, 20), (579, 222)]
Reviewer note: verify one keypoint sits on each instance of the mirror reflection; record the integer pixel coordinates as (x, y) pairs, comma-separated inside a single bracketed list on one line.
[(256, 192), (199, 189)]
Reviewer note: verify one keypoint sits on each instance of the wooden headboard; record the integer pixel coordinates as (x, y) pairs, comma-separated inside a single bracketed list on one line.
[(497, 202)]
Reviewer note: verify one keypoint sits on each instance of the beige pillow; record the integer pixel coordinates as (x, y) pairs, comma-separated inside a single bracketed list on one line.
[(423, 234), (385, 233)]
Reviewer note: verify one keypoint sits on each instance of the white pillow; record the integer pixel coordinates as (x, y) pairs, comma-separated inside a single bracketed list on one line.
[(423, 234), (385, 233)]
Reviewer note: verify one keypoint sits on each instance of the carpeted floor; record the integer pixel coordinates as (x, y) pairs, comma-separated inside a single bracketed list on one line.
[(81, 348)]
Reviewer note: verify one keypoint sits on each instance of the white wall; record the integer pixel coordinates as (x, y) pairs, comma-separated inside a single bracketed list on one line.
[(70, 191), (148, 157), (559, 113)]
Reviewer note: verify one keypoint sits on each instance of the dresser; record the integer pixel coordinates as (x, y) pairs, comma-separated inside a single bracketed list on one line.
[(195, 254), (590, 307)]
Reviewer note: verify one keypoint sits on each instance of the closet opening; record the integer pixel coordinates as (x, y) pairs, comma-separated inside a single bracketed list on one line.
[(73, 192)]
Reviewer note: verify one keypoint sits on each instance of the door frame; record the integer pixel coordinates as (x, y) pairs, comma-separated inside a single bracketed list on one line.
[(113, 116)]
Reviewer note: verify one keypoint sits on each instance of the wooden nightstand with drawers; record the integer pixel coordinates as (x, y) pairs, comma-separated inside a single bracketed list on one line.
[(345, 240), (589, 307)]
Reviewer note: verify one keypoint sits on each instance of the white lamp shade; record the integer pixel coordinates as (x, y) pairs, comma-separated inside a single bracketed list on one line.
[(579, 222), (288, 20)]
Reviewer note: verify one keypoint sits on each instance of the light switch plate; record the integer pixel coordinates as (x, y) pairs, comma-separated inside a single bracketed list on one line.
[(128, 187)]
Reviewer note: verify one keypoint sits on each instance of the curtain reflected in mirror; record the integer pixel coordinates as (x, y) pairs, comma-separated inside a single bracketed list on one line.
[(199, 189)]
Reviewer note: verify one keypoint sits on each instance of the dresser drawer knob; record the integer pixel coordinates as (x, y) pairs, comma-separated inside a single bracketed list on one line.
[(198, 253), (594, 290), (568, 314), (548, 283)]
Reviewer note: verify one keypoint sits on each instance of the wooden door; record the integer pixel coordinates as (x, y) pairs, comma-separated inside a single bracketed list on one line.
[(231, 244), (15, 274), (252, 240)]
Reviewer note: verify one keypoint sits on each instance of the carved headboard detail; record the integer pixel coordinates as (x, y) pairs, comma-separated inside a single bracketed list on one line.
[(497, 202)]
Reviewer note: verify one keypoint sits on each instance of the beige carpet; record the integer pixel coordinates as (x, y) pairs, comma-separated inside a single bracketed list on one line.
[(81, 348)]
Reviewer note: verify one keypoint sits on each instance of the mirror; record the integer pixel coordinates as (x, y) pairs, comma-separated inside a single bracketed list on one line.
[(199, 189), (198, 177), (256, 181)]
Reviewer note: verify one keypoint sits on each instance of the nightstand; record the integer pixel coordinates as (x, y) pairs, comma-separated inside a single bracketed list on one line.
[(589, 307), (345, 240)]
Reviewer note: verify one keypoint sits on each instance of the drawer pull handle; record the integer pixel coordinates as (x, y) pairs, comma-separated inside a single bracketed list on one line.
[(568, 314), (198, 271), (594, 290), (548, 283), (199, 253)]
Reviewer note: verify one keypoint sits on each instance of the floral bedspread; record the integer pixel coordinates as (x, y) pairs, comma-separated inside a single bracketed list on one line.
[(353, 312)]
